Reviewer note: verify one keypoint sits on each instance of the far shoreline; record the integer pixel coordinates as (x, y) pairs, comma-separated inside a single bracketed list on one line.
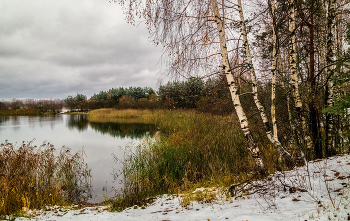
[(34, 112)]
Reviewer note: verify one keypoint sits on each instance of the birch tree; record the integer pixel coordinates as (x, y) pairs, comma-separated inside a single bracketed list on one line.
[(305, 41), (273, 71), (330, 72), (295, 78), (195, 39), (233, 88), (254, 82), (309, 21)]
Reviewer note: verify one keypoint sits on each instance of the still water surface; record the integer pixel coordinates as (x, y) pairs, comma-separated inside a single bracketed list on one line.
[(100, 142)]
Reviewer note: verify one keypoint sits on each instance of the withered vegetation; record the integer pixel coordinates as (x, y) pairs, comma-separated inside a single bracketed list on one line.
[(32, 177)]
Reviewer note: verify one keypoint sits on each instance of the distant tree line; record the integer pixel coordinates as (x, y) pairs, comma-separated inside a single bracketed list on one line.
[(122, 97), (191, 93), (132, 97), (44, 105), (211, 95)]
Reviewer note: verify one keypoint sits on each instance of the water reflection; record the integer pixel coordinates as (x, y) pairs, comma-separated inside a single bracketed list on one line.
[(119, 130), (133, 131), (79, 122), (4, 119), (44, 120), (15, 123)]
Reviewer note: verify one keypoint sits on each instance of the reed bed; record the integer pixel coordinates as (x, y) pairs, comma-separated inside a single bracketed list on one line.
[(194, 150), (32, 177), (122, 116)]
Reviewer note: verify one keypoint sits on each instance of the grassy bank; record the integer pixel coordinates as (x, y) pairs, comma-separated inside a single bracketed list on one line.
[(32, 177), (194, 149)]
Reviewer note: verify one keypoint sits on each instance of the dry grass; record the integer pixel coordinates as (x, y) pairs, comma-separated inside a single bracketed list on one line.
[(32, 177), (111, 114), (194, 149)]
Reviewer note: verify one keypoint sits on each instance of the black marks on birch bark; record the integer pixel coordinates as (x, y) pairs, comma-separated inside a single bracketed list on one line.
[(298, 111), (255, 152), (267, 127)]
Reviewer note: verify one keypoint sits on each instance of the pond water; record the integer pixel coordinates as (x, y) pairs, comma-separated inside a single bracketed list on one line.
[(100, 142)]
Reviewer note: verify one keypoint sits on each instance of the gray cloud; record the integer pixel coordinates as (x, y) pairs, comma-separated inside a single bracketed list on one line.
[(51, 49)]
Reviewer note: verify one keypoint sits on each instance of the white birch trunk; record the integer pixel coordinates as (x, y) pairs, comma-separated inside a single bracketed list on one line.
[(261, 109), (234, 90), (292, 125), (294, 73), (322, 48), (330, 49), (330, 72), (273, 78), (273, 72)]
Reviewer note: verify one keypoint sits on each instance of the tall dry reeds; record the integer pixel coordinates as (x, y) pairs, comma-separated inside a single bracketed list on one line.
[(32, 177), (194, 149), (113, 115)]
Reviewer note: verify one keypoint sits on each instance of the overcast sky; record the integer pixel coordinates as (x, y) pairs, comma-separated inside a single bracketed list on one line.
[(56, 48)]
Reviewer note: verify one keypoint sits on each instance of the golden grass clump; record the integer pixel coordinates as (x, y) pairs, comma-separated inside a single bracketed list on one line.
[(110, 113), (125, 116), (32, 177)]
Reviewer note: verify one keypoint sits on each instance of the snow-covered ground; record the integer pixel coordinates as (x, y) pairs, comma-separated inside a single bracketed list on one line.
[(320, 192)]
